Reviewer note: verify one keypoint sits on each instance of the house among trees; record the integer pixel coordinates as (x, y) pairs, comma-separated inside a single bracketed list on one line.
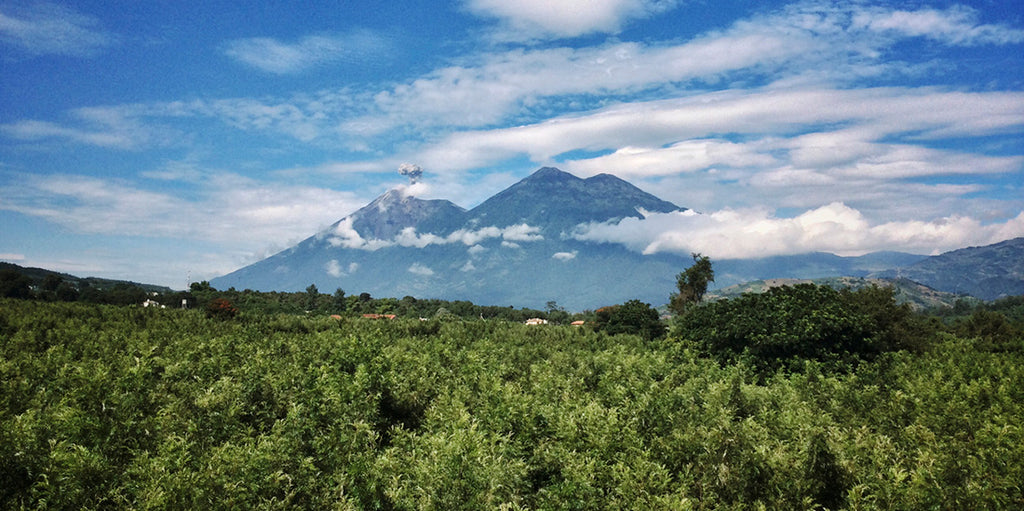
[(379, 316), (536, 321)]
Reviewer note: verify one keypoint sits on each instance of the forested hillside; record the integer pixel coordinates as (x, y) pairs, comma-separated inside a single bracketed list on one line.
[(126, 407)]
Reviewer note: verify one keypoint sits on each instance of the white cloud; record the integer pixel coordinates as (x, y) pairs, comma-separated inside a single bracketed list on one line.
[(273, 56), (836, 228), (468, 267), (38, 130), (333, 268), (48, 29), (345, 235), (807, 42), (522, 232), (564, 256), (12, 257), (226, 208), (955, 25), (476, 250), (664, 129), (565, 18), (681, 157), (421, 270)]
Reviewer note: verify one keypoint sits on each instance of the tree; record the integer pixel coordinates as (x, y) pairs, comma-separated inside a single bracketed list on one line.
[(339, 301), (312, 294), (692, 283), (220, 308), (632, 317), (787, 325), (199, 287), (15, 285), (66, 292), (556, 313), (52, 282)]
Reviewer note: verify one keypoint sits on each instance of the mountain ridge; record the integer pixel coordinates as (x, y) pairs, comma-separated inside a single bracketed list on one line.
[(516, 248), (987, 272)]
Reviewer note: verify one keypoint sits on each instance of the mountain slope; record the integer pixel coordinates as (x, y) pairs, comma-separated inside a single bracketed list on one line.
[(919, 296), (507, 250), (388, 214), (513, 249), (559, 201), (988, 272)]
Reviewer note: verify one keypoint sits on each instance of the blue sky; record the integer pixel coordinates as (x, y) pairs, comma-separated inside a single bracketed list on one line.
[(157, 141)]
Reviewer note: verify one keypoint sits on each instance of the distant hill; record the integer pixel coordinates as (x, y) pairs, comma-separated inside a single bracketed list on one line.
[(919, 296), (39, 275), (987, 272)]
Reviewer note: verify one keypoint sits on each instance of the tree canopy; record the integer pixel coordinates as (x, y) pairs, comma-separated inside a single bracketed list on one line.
[(692, 284)]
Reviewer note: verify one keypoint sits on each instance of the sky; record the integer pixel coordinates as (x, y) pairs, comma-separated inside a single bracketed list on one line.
[(170, 142)]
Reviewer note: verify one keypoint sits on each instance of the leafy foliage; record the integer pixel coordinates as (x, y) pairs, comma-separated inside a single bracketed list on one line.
[(692, 284), (787, 325), (221, 308), (124, 407), (632, 317)]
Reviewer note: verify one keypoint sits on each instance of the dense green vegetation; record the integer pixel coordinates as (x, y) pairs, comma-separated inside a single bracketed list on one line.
[(130, 407), (786, 326)]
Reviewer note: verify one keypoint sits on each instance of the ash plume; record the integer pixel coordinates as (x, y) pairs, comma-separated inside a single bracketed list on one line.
[(415, 172)]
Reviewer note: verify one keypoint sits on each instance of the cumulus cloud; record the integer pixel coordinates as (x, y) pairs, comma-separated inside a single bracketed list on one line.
[(345, 235), (333, 268), (277, 57), (835, 228), (419, 269), (49, 29), (564, 256)]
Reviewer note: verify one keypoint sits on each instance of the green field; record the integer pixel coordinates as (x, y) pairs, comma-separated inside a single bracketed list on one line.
[(123, 407)]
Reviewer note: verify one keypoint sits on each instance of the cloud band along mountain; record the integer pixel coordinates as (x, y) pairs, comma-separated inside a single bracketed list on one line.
[(517, 248)]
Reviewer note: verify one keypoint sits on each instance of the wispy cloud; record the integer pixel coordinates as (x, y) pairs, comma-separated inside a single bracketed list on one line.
[(124, 127), (957, 25), (925, 113), (279, 57), (221, 207), (51, 29), (808, 43), (528, 19)]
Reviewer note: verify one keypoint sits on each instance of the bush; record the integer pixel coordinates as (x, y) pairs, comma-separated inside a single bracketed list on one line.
[(787, 325), (221, 308), (633, 317)]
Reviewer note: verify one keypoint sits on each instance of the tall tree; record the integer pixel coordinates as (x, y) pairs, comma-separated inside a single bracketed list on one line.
[(339, 301), (691, 284), (312, 297)]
